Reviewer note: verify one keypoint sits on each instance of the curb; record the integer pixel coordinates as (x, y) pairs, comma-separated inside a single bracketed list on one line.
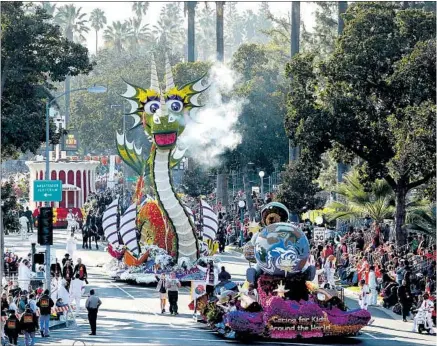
[(60, 325), (354, 295)]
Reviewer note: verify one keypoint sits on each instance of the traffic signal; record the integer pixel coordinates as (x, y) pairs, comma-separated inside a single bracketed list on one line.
[(45, 226)]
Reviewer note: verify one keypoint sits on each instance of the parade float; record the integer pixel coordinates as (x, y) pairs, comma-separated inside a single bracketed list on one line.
[(159, 234), (278, 299)]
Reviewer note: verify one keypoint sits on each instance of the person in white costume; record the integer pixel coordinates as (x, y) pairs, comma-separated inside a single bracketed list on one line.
[(363, 298), (372, 286), (24, 275), (23, 226), (71, 220), (71, 245), (427, 307), (329, 268), (77, 287)]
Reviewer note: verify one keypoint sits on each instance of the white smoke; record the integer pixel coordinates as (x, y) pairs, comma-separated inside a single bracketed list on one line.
[(212, 131)]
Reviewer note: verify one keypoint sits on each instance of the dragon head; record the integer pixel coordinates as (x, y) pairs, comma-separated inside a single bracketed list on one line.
[(164, 114)]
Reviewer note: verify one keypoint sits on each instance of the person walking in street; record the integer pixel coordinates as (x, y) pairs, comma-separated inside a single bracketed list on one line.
[(77, 288), (372, 286), (67, 273), (29, 325), (12, 328), (224, 275), (71, 245), (405, 299), (172, 287), (45, 304), (161, 288), (363, 298), (81, 270), (92, 305), (29, 216)]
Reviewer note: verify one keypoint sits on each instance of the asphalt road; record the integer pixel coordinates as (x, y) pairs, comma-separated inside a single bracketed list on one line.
[(130, 315)]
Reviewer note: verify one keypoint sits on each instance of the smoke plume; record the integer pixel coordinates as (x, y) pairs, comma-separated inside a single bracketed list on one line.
[(212, 131)]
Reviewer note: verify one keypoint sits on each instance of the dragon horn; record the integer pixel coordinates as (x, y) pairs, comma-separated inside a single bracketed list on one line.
[(154, 83), (168, 75), (163, 106)]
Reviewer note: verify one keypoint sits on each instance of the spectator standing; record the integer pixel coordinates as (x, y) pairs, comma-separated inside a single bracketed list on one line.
[(92, 305), (29, 216), (45, 304), (405, 299), (372, 286), (29, 325), (12, 328)]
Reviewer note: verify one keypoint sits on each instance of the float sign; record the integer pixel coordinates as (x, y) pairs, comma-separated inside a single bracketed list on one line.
[(47, 190), (319, 234)]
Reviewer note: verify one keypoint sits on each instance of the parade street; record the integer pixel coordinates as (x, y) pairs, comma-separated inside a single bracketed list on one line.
[(130, 314)]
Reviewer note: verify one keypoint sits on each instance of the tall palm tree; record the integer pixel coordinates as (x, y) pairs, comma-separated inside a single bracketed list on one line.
[(140, 8), (190, 7), (98, 21), (50, 9), (138, 33), (219, 30), (72, 21), (117, 35)]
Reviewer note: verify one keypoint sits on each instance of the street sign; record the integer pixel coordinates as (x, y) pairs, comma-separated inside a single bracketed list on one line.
[(319, 234), (131, 179), (47, 191)]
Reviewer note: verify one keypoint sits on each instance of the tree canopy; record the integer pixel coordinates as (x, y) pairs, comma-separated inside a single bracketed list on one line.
[(372, 98), (34, 55)]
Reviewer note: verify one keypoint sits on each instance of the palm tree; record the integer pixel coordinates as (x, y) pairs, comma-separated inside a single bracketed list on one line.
[(138, 33), (118, 35), (422, 220), (50, 9), (72, 21), (190, 7), (355, 202), (219, 30), (98, 21), (140, 8)]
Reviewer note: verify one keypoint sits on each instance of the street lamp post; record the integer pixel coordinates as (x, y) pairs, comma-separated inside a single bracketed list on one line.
[(241, 205), (94, 89), (261, 175)]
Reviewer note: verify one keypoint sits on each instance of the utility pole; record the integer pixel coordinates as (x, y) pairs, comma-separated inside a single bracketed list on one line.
[(293, 152)]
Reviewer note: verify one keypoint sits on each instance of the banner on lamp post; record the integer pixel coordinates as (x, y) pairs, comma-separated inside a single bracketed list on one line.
[(71, 142)]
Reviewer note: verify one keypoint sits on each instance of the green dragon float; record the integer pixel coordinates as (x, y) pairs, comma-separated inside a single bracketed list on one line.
[(164, 114)]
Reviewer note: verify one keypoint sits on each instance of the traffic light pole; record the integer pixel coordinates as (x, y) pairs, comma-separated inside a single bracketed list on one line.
[(47, 177)]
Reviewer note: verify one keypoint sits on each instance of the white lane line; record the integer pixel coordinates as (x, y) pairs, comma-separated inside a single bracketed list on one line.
[(373, 337)]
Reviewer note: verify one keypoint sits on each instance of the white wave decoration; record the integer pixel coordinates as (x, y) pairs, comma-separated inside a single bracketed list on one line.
[(128, 229), (109, 223), (210, 221)]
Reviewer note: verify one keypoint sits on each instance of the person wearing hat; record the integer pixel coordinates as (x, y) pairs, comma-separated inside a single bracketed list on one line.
[(29, 325), (12, 328)]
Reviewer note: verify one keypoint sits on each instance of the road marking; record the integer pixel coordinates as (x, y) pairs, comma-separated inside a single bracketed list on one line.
[(373, 337)]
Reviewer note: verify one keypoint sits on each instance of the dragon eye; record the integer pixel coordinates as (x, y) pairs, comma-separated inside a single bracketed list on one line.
[(151, 107), (156, 119), (175, 105)]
